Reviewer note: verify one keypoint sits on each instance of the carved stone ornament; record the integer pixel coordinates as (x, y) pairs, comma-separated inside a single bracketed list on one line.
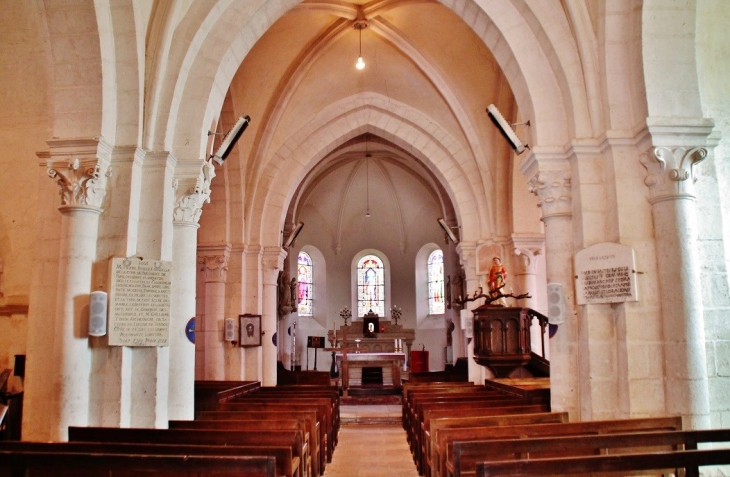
[(671, 172), (82, 184), (526, 259), (189, 206), (552, 188), (214, 267)]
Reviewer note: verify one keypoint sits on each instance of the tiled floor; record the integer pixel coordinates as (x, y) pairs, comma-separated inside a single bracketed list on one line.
[(372, 443)]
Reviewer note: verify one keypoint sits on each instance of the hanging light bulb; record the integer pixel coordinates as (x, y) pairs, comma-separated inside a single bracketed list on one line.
[(360, 63), (360, 24)]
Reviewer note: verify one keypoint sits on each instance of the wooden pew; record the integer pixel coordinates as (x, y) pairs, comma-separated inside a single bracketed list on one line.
[(467, 454), (81, 464), (434, 440), (307, 418), (464, 409), (254, 425), (291, 439), (416, 401), (690, 460), (320, 406), (209, 393), (304, 392), (620, 426), (412, 390), (461, 402)]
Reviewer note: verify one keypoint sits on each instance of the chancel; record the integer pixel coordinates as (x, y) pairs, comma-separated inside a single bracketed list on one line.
[(600, 248)]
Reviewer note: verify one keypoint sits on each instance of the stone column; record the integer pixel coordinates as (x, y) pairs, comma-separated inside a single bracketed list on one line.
[(467, 257), (552, 185), (253, 299), (671, 184), (82, 183), (526, 281), (213, 262), (192, 191), (271, 263)]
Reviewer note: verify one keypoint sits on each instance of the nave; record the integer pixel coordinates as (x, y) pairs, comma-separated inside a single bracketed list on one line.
[(372, 450)]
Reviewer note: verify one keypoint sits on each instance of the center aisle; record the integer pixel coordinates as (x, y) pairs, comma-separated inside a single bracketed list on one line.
[(371, 450)]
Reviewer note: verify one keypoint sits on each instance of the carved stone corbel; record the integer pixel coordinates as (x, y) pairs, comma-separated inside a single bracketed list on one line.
[(189, 202)]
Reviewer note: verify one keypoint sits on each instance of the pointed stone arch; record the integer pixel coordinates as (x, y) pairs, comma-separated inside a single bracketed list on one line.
[(408, 128)]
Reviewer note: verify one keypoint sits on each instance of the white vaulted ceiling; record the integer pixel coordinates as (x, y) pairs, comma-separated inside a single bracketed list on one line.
[(420, 101)]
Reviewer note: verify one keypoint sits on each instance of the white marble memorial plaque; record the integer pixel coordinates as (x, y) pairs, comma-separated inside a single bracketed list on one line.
[(139, 309), (605, 273)]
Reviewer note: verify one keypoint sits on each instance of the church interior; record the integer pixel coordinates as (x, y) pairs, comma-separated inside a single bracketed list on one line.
[(256, 191)]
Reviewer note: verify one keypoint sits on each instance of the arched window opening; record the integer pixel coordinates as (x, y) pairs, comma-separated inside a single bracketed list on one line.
[(305, 287), (370, 286), (436, 303)]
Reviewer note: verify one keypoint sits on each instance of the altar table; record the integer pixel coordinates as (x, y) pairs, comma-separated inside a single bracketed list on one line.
[(394, 361)]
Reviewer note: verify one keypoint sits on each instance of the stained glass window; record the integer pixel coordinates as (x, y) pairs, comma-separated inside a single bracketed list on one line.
[(304, 284), (370, 286), (436, 303)]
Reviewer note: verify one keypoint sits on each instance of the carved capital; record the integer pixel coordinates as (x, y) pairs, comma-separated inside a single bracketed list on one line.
[(553, 191), (671, 172), (189, 201), (214, 267), (526, 260), (82, 182), (272, 261)]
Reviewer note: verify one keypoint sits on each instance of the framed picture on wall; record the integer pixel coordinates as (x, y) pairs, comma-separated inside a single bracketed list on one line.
[(249, 330)]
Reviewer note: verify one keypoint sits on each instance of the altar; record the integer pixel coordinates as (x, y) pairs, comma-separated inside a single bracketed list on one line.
[(351, 366), (385, 347), (384, 340)]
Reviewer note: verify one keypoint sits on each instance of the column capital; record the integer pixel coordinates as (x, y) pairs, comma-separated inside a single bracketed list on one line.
[(553, 190), (467, 253), (191, 192), (272, 261), (213, 262), (81, 168), (670, 172)]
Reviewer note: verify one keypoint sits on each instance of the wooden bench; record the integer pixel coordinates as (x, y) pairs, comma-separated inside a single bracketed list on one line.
[(427, 411), (304, 392), (576, 446), (254, 425), (320, 406), (411, 392), (620, 426), (208, 394), (690, 460), (307, 418), (434, 440), (82, 464), (475, 409), (290, 439), (417, 400), (414, 411)]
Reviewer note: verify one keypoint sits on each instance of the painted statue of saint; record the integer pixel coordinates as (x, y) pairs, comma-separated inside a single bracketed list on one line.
[(497, 276)]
